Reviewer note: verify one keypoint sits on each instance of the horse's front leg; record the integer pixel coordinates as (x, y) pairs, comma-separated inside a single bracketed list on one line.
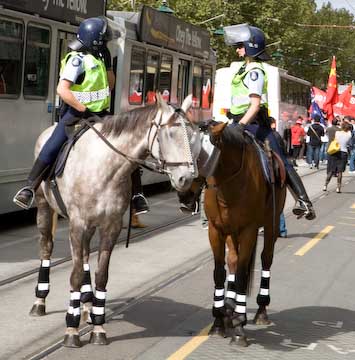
[(246, 255), (217, 242), (109, 233), (87, 294), (77, 234), (263, 298), (45, 220)]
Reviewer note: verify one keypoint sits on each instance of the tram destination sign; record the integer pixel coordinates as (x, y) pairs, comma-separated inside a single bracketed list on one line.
[(166, 30), (72, 11)]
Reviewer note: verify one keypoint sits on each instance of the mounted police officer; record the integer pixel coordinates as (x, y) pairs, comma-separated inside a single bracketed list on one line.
[(249, 109), (86, 79)]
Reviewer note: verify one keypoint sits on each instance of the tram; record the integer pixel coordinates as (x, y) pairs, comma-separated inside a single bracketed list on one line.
[(154, 52), (288, 96)]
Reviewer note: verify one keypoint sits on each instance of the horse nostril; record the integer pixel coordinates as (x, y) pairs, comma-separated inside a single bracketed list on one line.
[(182, 181)]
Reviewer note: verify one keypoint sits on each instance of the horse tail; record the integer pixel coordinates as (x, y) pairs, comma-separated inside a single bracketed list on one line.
[(250, 276)]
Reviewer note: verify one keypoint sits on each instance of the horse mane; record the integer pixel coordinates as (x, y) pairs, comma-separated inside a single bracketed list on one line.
[(114, 125)]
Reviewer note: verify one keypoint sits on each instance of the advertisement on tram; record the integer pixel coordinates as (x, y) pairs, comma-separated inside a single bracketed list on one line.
[(34, 37)]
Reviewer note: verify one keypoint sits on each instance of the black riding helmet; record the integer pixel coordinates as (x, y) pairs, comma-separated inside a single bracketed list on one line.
[(91, 35), (252, 38)]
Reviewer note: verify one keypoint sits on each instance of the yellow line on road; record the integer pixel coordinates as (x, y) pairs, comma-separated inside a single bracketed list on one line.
[(353, 206), (341, 223), (314, 241), (191, 345)]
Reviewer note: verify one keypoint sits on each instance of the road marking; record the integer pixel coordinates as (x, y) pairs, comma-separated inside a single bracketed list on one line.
[(353, 206), (314, 241), (191, 345), (341, 223)]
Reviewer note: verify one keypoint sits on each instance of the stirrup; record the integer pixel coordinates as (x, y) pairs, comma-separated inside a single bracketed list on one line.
[(191, 209), (142, 206), (22, 204), (304, 209)]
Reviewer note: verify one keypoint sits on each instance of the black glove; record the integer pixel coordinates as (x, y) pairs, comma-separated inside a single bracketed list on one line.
[(86, 114)]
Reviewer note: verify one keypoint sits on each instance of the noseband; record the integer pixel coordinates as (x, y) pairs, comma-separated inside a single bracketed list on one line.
[(162, 165)]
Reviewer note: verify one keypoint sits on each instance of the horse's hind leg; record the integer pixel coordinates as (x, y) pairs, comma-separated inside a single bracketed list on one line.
[(263, 298), (45, 217), (217, 242), (108, 236)]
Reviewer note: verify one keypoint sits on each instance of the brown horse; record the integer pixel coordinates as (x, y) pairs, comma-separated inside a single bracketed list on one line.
[(238, 201)]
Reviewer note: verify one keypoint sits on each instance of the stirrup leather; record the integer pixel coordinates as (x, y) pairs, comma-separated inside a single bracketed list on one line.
[(21, 204)]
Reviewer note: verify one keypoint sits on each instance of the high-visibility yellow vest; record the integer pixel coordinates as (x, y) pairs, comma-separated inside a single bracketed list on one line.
[(240, 93), (94, 91)]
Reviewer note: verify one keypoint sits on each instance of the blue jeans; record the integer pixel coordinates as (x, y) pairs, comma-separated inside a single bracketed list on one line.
[(283, 230), (323, 149), (313, 154), (352, 160)]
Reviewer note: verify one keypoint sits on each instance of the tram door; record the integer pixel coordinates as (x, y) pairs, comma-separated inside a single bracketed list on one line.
[(64, 38), (183, 80)]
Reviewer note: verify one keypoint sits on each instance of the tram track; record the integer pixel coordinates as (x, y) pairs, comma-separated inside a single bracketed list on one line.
[(122, 239)]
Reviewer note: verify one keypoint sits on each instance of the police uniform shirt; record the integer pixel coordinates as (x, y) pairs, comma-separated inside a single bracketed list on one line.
[(254, 81), (73, 69)]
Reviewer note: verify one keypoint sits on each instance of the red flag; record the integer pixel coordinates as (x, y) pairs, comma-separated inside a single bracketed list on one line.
[(318, 96), (343, 104), (332, 91)]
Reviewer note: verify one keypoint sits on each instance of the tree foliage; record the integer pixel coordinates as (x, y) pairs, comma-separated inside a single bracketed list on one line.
[(299, 34)]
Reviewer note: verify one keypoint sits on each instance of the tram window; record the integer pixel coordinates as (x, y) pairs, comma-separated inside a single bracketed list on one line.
[(196, 85), (36, 74), (11, 45), (207, 87), (151, 76), (136, 76), (165, 76)]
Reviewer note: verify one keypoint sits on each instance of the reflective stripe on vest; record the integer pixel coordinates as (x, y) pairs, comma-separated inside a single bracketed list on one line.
[(240, 93), (94, 91)]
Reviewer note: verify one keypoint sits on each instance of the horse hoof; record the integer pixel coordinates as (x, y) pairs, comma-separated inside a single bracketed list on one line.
[(217, 331), (38, 310), (239, 341), (72, 341), (261, 319), (98, 338)]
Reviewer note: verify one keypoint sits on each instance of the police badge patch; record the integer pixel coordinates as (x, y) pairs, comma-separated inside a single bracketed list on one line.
[(254, 75), (76, 61)]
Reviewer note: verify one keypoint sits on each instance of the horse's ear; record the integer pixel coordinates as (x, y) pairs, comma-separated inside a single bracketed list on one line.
[(187, 103), (161, 102)]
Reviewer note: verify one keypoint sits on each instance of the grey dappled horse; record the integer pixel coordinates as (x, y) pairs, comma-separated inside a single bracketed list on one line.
[(96, 190)]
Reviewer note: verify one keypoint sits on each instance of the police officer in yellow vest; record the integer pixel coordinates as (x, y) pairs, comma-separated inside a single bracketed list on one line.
[(249, 108), (86, 79)]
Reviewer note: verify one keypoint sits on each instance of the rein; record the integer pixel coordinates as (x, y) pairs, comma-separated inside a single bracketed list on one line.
[(161, 165)]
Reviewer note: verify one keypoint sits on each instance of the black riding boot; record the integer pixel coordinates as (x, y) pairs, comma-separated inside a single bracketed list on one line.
[(24, 198), (304, 206), (139, 202)]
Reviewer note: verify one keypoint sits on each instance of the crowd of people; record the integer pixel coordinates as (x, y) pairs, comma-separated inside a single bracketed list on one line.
[(310, 140)]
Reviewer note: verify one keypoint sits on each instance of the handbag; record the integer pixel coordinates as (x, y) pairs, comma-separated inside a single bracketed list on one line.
[(333, 148)]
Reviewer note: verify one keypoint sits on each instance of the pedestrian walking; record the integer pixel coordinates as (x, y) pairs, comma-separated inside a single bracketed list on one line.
[(297, 138), (337, 162), (315, 132)]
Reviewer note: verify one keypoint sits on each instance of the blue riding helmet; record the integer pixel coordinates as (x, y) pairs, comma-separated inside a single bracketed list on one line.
[(91, 34), (251, 37)]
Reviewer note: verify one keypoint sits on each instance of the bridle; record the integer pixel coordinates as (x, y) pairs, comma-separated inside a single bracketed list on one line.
[(159, 165)]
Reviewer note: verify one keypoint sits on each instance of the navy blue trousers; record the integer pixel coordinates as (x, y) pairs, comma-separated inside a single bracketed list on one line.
[(51, 148), (262, 133)]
